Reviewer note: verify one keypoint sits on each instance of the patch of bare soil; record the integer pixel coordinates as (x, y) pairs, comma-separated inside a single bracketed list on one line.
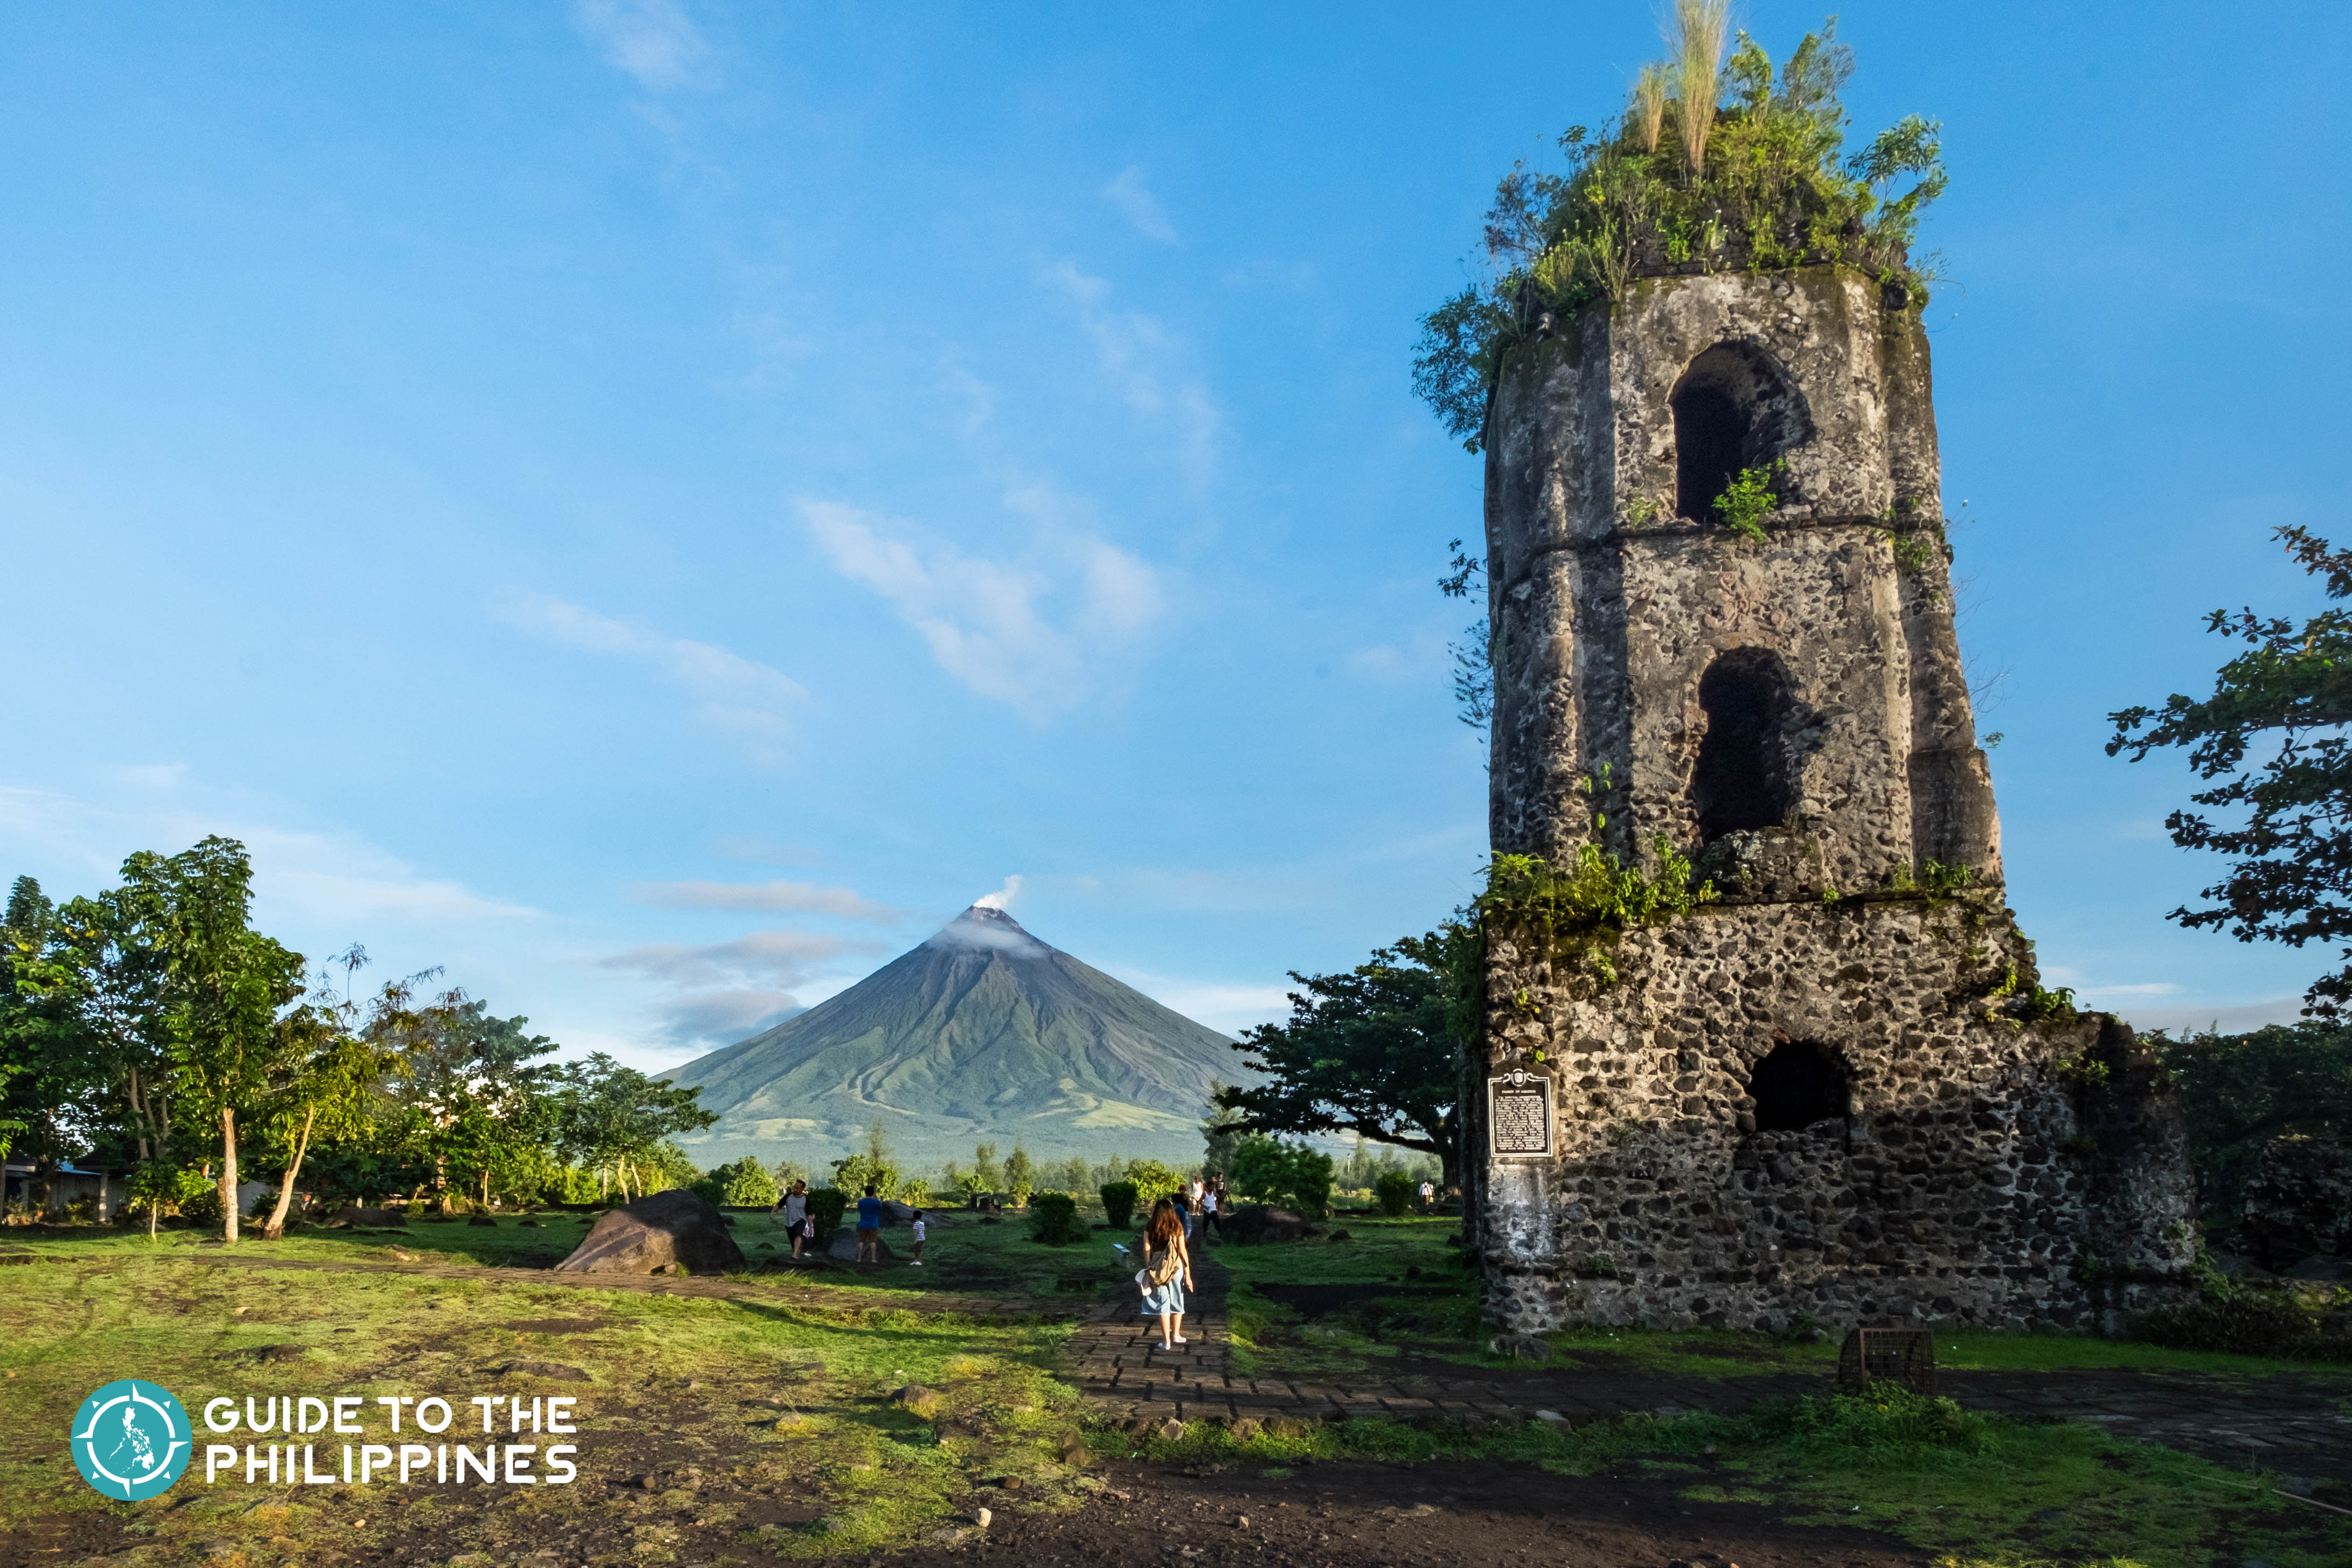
[(1725, 1352), (1330, 1301), (1362, 1515), (63, 1537), (556, 1325)]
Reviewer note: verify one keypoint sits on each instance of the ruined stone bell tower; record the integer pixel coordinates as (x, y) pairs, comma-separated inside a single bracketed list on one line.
[(1837, 1089)]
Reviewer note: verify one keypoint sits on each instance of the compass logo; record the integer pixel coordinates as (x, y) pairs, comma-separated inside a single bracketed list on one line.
[(131, 1440)]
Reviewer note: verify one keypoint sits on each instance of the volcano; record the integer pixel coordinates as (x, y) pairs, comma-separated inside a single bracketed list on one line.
[(981, 1034)]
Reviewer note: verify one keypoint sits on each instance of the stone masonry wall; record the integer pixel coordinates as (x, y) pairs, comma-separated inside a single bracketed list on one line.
[(1987, 1165), (1976, 1179)]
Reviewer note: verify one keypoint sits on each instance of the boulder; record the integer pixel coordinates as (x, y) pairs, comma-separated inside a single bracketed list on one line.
[(1265, 1222), (671, 1230), (844, 1246), (352, 1213)]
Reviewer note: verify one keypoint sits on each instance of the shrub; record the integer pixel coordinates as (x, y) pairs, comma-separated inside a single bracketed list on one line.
[(1054, 1219), (1278, 1172), (824, 1208), (2246, 1322), (201, 1206), (1119, 1203), (1394, 1191)]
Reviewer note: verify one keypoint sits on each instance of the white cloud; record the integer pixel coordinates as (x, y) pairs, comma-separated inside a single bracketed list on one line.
[(725, 991), (325, 878), (731, 693), (1002, 898), (653, 40), (992, 625), (1143, 210), (806, 898), (782, 957), (1144, 360), (2184, 1018)]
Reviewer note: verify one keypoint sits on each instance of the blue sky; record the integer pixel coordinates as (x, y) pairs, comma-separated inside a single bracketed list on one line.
[(654, 504)]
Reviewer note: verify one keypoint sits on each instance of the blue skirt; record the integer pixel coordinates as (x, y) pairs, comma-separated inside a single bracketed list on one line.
[(1168, 1298)]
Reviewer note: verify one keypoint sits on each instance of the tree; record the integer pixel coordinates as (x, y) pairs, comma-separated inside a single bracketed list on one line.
[(224, 984), (478, 1087), (744, 1184), (1220, 1133), (1376, 1050), (616, 1120), (325, 1073), (2291, 692), (2242, 1091), (1275, 1169), (1020, 1175)]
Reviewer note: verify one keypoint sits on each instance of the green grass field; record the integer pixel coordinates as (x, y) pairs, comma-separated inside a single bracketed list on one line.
[(763, 1427), (765, 1424)]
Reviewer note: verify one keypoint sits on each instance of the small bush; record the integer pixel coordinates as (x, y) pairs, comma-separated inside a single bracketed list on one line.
[(201, 1206), (1054, 1219), (1879, 1422), (2245, 1323), (1394, 1191), (1119, 1203), (825, 1206)]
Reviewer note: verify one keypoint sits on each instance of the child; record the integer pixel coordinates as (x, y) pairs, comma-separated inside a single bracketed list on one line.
[(918, 1240)]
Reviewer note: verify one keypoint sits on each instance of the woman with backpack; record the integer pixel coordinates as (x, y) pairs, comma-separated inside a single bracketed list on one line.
[(1166, 1274)]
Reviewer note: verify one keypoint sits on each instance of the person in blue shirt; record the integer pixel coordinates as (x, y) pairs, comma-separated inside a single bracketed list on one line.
[(869, 1228)]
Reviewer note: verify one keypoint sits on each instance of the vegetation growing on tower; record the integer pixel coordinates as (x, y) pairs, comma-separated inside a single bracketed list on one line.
[(1716, 165)]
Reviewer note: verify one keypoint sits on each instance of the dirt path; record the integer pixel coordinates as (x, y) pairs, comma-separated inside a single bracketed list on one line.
[(1382, 1516), (811, 1298), (2293, 1428)]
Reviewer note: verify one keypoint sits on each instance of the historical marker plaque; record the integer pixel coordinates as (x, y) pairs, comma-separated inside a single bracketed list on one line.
[(1519, 1115)]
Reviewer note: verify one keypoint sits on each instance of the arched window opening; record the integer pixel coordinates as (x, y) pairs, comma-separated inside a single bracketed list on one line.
[(1709, 437), (1742, 779), (1795, 1086), (1734, 408)]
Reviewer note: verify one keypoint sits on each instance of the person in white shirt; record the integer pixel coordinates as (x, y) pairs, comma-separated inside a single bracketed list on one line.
[(1209, 1210), (917, 1224), (795, 1207), (1428, 1195)]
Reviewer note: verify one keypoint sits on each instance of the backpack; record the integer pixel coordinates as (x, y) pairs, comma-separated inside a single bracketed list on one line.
[(1162, 1268)]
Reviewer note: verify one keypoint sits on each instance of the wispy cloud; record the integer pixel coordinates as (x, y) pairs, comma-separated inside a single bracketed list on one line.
[(724, 991), (804, 898), (995, 624), (653, 40), (751, 699), (1129, 194), (1147, 364), (1002, 898), (324, 878)]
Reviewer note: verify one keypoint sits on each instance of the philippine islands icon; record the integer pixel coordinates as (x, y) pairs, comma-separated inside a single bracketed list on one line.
[(131, 1440)]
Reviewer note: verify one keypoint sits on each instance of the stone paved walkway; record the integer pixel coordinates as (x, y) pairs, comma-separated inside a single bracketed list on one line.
[(2282, 1426)]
